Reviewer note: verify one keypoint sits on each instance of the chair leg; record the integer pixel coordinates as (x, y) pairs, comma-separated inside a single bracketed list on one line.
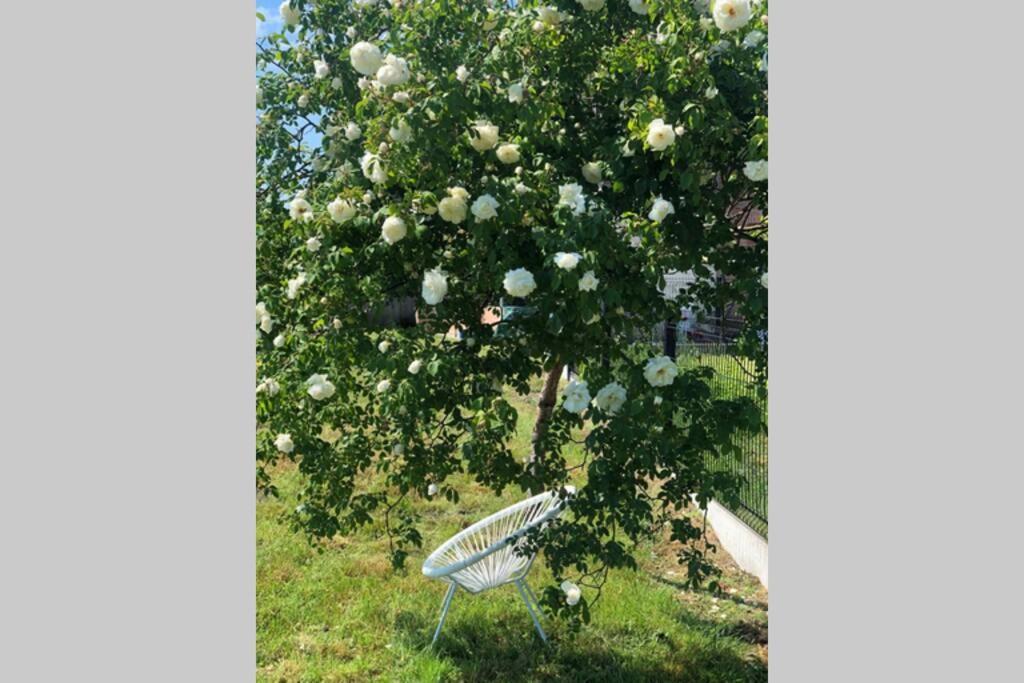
[(522, 593), (444, 611), (530, 592)]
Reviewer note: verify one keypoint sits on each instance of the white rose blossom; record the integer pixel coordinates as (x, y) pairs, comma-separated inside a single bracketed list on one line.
[(567, 261), (383, 386), (313, 244), (611, 398), (711, 93), (268, 385), (295, 284), (730, 15), (320, 68), (572, 592), (764, 280), (319, 387), (576, 396), (303, 100), (462, 73), (588, 282), (452, 208), (341, 210), (289, 15), (519, 282), (486, 136), (485, 207), (591, 5), (401, 133), (549, 16), (515, 93), (415, 367), (571, 195), (592, 172), (284, 443), (660, 371), (432, 490), (394, 71), (756, 170), (393, 230), (435, 286), (336, 323), (638, 7), (300, 210), (279, 341), (508, 153), (365, 58), (384, 346), (401, 97), (660, 135), (753, 39), (353, 131), (661, 209), (373, 168)]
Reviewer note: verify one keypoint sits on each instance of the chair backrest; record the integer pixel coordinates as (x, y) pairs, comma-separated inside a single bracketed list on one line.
[(484, 555)]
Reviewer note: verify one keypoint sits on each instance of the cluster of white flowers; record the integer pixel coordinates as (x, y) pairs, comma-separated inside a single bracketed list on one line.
[(313, 244), (341, 210), (730, 15), (519, 282), (571, 195), (611, 398), (263, 318), (661, 209), (756, 170), (576, 396), (486, 136), (660, 371), (453, 207), (435, 286), (572, 592), (485, 207), (320, 68), (295, 284), (319, 387), (660, 135), (567, 260), (393, 229)]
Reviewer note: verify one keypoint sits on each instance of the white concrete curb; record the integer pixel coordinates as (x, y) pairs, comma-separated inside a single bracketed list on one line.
[(746, 546)]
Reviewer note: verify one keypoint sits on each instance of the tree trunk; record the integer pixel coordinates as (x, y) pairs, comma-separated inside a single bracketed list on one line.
[(545, 406)]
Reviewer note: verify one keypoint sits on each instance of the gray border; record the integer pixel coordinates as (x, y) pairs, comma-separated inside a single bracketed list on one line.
[(127, 270), (128, 504), (895, 356)]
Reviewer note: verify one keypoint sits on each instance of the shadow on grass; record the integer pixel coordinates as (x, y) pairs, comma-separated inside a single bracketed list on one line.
[(486, 651)]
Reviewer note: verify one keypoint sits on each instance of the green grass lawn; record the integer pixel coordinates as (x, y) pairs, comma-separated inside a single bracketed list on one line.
[(345, 615)]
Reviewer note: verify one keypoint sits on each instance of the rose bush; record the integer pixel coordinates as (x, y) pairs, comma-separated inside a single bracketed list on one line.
[(589, 148)]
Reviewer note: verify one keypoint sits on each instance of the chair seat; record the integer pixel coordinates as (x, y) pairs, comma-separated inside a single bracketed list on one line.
[(484, 555)]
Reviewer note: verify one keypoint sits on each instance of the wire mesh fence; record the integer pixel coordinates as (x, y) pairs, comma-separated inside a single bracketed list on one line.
[(733, 378)]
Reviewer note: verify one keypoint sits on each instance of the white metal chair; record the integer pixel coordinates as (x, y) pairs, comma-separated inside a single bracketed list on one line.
[(483, 556)]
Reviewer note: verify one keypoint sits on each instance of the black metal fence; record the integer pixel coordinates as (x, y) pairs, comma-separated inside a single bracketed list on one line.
[(732, 379)]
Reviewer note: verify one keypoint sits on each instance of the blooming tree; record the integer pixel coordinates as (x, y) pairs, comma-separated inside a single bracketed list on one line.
[(562, 157)]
